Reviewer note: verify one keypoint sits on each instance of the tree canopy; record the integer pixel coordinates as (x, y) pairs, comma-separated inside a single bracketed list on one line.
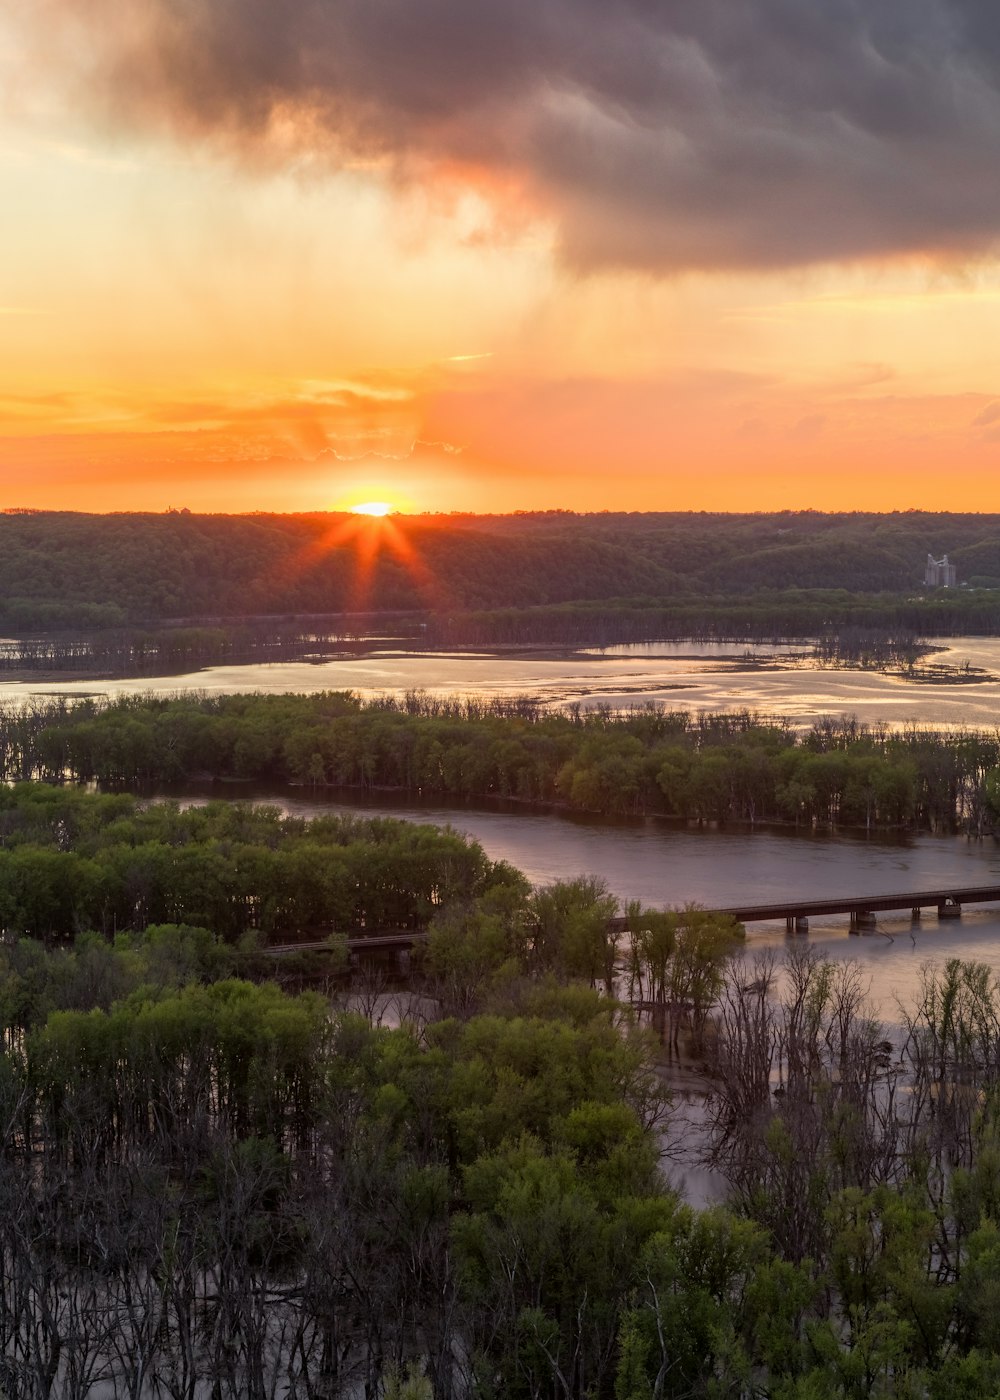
[(739, 767), (75, 570)]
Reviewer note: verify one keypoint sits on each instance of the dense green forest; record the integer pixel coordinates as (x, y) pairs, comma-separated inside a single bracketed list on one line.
[(72, 570), (209, 1185), (736, 767), (72, 861)]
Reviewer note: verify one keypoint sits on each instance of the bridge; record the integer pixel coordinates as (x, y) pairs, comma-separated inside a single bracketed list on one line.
[(398, 941), (796, 913), (862, 908)]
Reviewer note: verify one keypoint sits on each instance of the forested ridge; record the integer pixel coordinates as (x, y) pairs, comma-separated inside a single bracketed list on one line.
[(76, 570), (726, 767)]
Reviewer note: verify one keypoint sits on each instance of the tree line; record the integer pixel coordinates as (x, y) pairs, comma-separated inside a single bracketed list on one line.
[(861, 633), (767, 614), (73, 862), (208, 1184), (711, 767), (223, 1189), (63, 569), (174, 650)]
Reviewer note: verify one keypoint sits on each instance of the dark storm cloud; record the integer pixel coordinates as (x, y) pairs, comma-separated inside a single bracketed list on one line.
[(657, 134)]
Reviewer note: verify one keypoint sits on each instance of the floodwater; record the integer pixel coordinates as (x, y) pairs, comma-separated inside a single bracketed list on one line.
[(653, 861), (782, 680), (663, 864)]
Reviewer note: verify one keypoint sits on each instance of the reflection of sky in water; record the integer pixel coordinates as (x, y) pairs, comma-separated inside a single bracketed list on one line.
[(664, 865), (894, 958), (661, 864), (714, 651), (801, 693)]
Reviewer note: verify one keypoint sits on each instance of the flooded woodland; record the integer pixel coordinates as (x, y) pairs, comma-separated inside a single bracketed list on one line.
[(558, 1158)]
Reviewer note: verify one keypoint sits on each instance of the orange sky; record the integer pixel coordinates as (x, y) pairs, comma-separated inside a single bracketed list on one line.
[(181, 325)]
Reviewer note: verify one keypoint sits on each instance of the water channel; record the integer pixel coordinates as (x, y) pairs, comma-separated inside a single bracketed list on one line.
[(664, 864), (655, 861), (780, 679), (652, 860)]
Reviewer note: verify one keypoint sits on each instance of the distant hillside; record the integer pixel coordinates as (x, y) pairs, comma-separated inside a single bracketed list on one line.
[(79, 570)]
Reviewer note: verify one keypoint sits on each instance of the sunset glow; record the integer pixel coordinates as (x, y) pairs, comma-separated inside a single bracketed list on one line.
[(377, 508), (489, 328)]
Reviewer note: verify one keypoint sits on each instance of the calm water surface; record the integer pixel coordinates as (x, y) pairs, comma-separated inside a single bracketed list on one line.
[(661, 864), (652, 861), (683, 675), (665, 865)]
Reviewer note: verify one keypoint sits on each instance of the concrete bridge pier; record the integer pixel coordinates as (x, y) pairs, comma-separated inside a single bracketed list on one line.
[(915, 914), (949, 909), (862, 921), (796, 923)]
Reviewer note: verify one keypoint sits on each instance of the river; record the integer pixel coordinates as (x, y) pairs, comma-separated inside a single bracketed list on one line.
[(664, 864), (781, 680), (654, 861)]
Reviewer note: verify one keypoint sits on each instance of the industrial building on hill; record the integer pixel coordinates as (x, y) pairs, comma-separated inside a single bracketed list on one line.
[(939, 573)]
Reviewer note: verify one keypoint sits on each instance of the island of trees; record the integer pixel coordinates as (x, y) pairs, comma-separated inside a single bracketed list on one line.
[(738, 767)]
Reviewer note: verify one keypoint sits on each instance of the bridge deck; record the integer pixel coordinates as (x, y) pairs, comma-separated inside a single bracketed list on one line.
[(746, 913), (865, 903), (388, 942)]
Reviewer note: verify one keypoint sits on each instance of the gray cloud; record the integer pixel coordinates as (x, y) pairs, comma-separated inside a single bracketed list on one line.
[(657, 134)]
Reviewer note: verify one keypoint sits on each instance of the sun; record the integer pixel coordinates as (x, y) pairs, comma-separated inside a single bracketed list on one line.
[(366, 535), (373, 508)]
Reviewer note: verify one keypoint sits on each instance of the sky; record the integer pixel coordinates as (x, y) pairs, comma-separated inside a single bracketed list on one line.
[(530, 254)]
